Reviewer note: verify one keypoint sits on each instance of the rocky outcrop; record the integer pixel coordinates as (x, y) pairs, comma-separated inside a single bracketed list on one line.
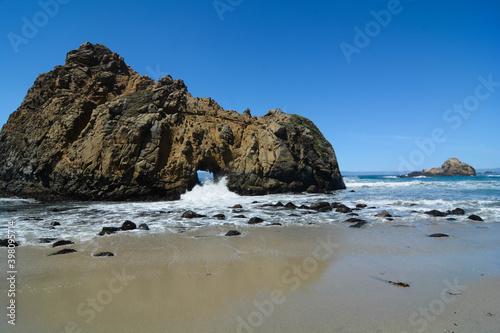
[(95, 129), (452, 167)]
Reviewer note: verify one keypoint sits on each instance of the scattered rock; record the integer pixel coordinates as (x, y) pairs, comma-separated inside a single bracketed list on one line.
[(104, 254), (143, 226), (63, 251), (456, 211), (191, 215), (438, 235), (361, 206), (290, 205), (277, 224), (304, 207), (475, 218), (255, 220), (354, 220), (399, 284), (279, 204), (62, 243), (451, 219), (47, 240), (233, 233), (383, 213), (109, 230), (220, 216), (240, 217), (352, 191), (5, 243), (353, 214), (337, 205), (54, 224), (237, 206), (359, 224), (320, 206), (435, 212), (343, 209), (128, 225)]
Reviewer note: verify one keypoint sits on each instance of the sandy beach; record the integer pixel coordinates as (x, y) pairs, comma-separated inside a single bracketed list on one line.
[(269, 279)]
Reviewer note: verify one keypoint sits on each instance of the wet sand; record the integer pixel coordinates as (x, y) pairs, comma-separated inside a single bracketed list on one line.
[(269, 279)]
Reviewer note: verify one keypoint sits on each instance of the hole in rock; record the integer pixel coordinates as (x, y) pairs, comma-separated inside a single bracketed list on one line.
[(204, 177)]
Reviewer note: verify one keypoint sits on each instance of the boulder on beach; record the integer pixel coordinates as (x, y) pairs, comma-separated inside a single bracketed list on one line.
[(143, 226), (109, 230), (104, 254), (438, 235), (474, 217), (62, 243), (94, 129), (451, 167), (255, 220), (383, 213), (435, 212), (191, 215), (63, 251), (5, 243), (128, 225), (233, 233)]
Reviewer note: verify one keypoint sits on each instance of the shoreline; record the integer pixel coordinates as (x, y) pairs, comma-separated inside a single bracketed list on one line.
[(281, 279)]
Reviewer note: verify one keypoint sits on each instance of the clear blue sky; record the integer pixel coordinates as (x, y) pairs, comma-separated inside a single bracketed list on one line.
[(398, 88)]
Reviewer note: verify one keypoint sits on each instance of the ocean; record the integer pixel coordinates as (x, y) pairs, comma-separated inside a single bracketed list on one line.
[(405, 199)]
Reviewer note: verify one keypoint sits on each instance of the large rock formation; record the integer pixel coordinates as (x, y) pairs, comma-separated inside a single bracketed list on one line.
[(452, 167), (96, 129)]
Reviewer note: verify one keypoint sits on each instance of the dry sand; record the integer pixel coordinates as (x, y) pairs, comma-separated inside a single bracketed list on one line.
[(269, 279)]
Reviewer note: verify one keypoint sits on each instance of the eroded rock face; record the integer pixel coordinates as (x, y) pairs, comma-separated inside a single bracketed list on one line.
[(95, 129), (452, 167)]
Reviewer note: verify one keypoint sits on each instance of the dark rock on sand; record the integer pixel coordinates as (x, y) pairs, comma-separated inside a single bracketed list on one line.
[(456, 211), (5, 243), (475, 218), (360, 224), (109, 230), (343, 209), (220, 216), (63, 251), (255, 220), (383, 213), (62, 243), (361, 206), (240, 216), (128, 225), (233, 233), (435, 212), (452, 167), (191, 215), (354, 220), (438, 235), (237, 206), (143, 226), (104, 254), (321, 206), (47, 240), (275, 224)]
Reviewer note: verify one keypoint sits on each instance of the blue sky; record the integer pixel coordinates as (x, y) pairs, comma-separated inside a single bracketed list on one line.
[(391, 84)]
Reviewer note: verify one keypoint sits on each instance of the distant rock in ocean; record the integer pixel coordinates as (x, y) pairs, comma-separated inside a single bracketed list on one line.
[(452, 167), (94, 129)]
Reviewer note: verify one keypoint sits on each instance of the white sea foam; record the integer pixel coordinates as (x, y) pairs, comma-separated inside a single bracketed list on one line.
[(209, 194)]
